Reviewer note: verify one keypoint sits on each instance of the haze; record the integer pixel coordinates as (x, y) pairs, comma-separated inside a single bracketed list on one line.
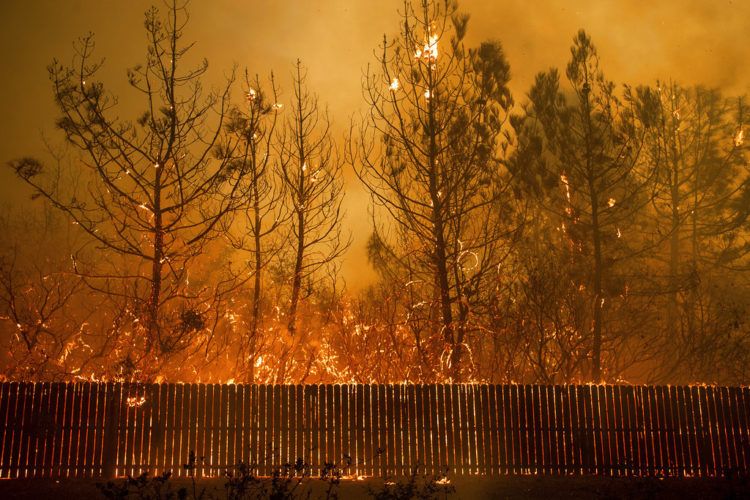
[(688, 41)]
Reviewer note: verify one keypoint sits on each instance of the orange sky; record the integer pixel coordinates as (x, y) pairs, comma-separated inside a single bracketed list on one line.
[(691, 41)]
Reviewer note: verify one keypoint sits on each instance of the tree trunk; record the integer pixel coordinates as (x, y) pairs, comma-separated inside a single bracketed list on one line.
[(252, 344), (441, 260), (596, 372), (297, 279), (674, 242), (596, 327), (156, 266)]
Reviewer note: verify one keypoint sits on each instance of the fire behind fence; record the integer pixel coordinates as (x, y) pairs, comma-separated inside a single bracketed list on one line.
[(98, 429)]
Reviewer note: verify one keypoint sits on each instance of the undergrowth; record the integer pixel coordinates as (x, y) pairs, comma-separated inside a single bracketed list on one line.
[(291, 481)]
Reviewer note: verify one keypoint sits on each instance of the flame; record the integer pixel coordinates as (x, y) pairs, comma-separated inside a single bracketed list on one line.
[(564, 180), (136, 402), (251, 94), (427, 94), (739, 138), (430, 49), (277, 106), (611, 202), (394, 85)]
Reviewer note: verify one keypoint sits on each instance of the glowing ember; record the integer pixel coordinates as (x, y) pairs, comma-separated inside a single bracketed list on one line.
[(443, 480), (136, 401), (611, 202)]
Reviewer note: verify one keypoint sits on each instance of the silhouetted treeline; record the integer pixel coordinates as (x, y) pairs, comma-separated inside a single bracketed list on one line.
[(587, 231)]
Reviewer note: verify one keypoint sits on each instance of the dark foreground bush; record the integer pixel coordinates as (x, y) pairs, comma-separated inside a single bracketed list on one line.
[(291, 481)]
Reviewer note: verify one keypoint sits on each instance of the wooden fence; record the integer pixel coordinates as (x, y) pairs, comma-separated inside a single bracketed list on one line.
[(95, 430)]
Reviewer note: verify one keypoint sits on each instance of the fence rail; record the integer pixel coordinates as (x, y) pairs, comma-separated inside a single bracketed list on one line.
[(98, 429)]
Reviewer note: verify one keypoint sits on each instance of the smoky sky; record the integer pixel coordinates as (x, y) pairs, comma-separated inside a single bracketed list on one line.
[(689, 41)]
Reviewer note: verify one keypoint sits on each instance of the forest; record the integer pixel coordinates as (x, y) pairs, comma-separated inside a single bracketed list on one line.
[(586, 231)]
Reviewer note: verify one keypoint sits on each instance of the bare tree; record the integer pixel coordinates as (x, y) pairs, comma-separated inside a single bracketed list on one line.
[(257, 232), (427, 151), (154, 195), (312, 176)]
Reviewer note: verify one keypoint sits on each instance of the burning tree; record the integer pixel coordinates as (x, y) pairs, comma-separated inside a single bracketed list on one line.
[(152, 196), (427, 151), (696, 145), (311, 173), (311, 176), (579, 156), (252, 127)]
